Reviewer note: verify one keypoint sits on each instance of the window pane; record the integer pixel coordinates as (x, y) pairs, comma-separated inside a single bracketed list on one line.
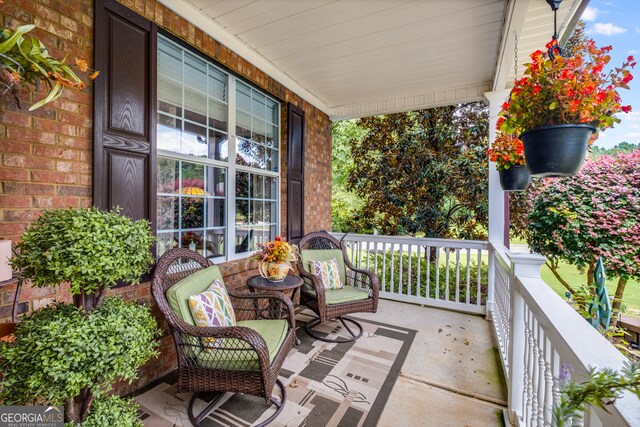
[(169, 96), (192, 212), (195, 107), (270, 212), (167, 241), (242, 184), (243, 97), (244, 240), (215, 213), (218, 115), (169, 132), (168, 175), (271, 160), (242, 212), (214, 243), (193, 240), (168, 213), (270, 187), (258, 127), (273, 112), (217, 84), (243, 125), (258, 108), (195, 72), (194, 140), (169, 59), (257, 190), (216, 180), (218, 145)]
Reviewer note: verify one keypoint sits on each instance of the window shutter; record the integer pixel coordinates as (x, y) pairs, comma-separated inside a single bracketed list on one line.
[(124, 163), (295, 174)]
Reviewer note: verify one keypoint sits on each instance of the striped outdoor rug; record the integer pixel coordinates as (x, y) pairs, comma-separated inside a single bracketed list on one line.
[(327, 384)]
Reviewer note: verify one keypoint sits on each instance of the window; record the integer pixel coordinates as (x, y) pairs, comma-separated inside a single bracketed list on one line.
[(218, 191)]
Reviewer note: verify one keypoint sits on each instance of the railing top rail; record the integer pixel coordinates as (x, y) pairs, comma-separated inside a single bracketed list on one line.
[(410, 240), (575, 338), (502, 256)]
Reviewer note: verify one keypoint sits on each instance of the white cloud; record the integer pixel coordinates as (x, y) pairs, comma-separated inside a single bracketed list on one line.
[(637, 29), (631, 135), (633, 126), (590, 14), (633, 116), (607, 29), (633, 52)]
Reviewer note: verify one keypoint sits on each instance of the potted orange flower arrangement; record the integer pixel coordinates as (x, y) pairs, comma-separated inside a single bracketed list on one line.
[(508, 154), (275, 259), (561, 103)]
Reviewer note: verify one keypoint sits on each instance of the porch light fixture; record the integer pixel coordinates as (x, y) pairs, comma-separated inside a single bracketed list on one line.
[(555, 48)]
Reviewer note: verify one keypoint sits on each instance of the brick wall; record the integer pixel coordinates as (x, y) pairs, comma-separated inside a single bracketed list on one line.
[(46, 155)]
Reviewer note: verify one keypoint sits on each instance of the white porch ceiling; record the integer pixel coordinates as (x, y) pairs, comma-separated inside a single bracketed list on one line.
[(354, 58)]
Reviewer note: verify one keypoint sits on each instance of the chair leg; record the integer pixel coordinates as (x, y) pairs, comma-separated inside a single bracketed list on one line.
[(315, 322), (197, 419)]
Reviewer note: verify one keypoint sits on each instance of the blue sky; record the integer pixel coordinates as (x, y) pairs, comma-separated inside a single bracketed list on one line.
[(617, 23)]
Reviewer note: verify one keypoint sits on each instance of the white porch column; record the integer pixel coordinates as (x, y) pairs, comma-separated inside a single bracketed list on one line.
[(496, 195)]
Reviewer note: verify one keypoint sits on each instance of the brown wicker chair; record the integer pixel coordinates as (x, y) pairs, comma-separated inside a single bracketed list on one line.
[(324, 302), (242, 363)]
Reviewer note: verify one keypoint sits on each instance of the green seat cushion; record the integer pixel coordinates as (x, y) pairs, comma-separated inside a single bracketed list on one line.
[(274, 333), (178, 295), (346, 294), (307, 255)]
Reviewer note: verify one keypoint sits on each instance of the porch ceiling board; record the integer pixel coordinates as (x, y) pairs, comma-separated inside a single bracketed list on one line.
[(353, 58)]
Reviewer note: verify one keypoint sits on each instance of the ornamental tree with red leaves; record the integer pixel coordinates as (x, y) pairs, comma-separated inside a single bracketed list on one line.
[(595, 213)]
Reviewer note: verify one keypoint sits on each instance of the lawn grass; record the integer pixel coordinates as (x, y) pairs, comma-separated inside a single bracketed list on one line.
[(630, 299)]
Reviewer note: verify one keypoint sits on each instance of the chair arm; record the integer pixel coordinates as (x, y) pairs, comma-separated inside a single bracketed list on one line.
[(275, 303), (371, 282), (316, 283)]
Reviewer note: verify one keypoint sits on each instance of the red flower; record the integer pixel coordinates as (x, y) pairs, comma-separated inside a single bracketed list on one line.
[(629, 58), (536, 89), (627, 78), (626, 108)]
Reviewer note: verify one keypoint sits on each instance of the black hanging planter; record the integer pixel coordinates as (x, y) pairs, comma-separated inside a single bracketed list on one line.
[(556, 151), (516, 178)]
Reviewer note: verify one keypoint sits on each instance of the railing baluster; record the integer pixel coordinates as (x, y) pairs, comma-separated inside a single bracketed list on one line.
[(457, 274), (437, 249), (479, 279), (418, 284), (548, 383), (368, 255), (409, 271), (384, 267), (427, 258), (446, 263), (393, 267), (400, 269), (468, 289)]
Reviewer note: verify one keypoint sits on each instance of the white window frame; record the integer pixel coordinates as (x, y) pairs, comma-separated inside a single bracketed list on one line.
[(230, 165)]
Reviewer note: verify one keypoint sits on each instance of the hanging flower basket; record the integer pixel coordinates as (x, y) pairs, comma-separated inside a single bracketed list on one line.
[(556, 151), (516, 178)]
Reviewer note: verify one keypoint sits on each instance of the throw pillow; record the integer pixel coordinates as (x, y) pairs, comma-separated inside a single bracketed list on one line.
[(328, 273), (212, 308)]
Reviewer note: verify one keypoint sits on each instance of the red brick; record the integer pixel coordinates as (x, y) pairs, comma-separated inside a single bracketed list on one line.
[(30, 162), (54, 177), (15, 201), (54, 127), (74, 119), (24, 134), (25, 188), (14, 174), (56, 152), (12, 230), (15, 146), (29, 292), (56, 202), (21, 215), (74, 190), (64, 166), (16, 118)]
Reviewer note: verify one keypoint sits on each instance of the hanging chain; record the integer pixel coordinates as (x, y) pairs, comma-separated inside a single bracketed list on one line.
[(555, 49)]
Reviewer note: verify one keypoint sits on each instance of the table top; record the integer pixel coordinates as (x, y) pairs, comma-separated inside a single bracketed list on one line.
[(289, 282)]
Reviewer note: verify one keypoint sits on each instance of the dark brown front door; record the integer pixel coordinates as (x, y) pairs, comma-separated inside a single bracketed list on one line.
[(295, 175)]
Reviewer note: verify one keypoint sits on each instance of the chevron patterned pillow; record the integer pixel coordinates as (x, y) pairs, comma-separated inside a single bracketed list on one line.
[(328, 273), (212, 308)]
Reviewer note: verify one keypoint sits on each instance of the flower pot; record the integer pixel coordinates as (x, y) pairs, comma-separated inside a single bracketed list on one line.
[(516, 178), (274, 271), (556, 151)]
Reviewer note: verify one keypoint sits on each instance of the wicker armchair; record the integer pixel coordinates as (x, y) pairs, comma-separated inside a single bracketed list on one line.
[(245, 358), (360, 293)]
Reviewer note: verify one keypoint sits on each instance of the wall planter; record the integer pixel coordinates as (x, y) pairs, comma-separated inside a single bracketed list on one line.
[(556, 151), (516, 178)]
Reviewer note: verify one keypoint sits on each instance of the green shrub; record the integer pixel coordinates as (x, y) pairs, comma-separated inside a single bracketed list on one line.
[(375, 261), (112, 411), (89, 248), (58, 351)]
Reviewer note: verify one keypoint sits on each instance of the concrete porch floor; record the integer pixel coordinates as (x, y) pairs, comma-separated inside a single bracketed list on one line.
[(452, 375)]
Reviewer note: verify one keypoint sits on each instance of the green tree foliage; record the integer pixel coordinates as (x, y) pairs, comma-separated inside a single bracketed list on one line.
[(89, 248), (595, 213), (345, 204), (423, 172), (112, 411), (60, 351)]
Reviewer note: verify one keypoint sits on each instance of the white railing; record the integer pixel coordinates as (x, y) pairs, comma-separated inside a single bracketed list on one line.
[(542, 336), (443, 273)]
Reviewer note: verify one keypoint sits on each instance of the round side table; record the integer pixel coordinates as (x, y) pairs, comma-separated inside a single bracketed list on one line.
[(293, 283)]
